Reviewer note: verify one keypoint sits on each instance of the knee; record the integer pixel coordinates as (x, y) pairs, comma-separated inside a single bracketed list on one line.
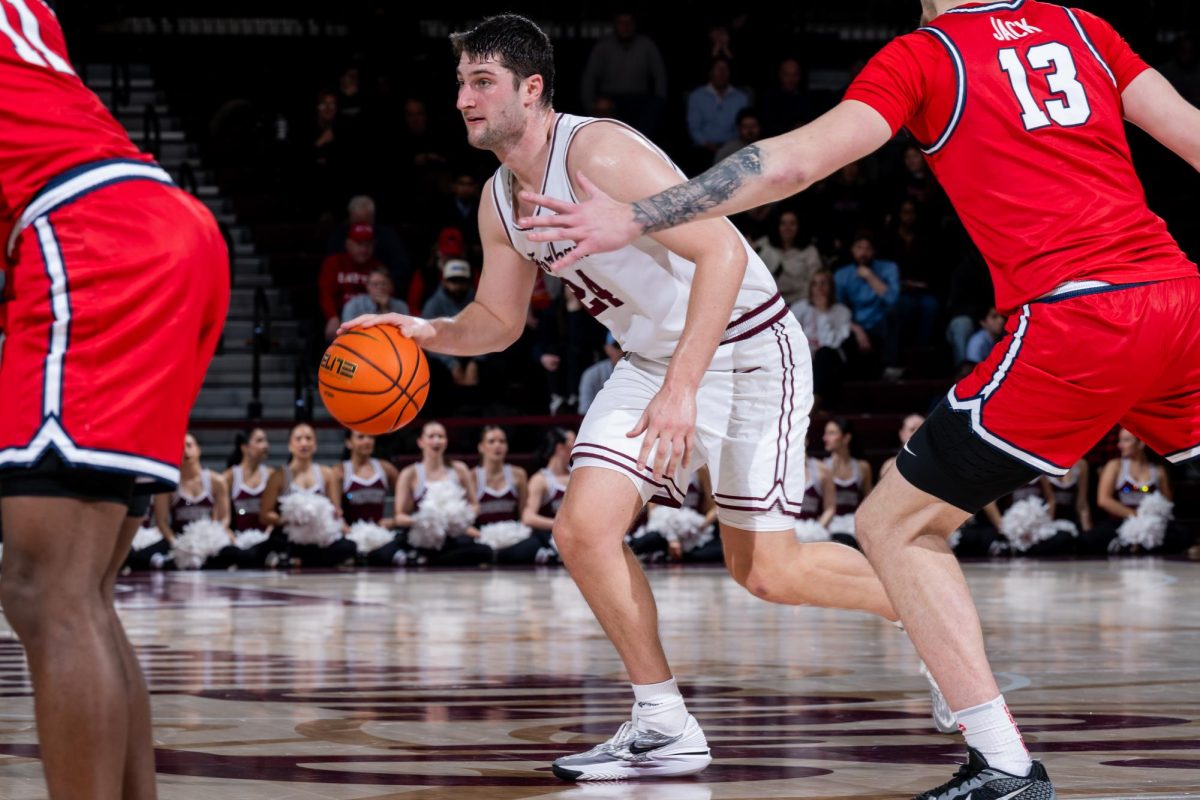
[(764, 581), (574, 537), (40, 607), (869, 530)]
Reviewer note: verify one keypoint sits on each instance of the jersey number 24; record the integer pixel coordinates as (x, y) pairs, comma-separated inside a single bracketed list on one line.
[(1069, 107)]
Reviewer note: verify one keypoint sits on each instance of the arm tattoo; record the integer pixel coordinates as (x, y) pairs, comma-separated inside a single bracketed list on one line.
[(684, 202)]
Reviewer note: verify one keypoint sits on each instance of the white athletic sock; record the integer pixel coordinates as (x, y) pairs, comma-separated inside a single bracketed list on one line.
[(990, 729), (659, 707)]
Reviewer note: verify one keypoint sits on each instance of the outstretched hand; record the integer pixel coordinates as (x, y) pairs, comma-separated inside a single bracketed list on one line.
[(597, 224), (414, 328)]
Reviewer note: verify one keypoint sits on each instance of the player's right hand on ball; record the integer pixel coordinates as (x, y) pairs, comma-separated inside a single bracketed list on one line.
[(414, 328)]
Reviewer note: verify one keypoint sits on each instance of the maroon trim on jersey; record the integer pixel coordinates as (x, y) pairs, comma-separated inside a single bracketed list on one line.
[(624, 468), (500, 214), (775, 317), (787, 409), (546, 177), (670, 486)]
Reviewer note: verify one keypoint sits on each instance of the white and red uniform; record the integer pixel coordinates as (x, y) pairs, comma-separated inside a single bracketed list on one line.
[(246, 502), (552, 500), (496, 505), (761, 369), (116, 284), (1018, 106), (186, 508), (364, 498)]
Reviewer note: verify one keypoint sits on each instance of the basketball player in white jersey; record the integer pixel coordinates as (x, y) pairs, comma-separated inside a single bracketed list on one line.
[(717, 373)]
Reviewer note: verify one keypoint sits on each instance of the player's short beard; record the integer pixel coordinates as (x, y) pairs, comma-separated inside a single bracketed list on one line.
[(502, 131)]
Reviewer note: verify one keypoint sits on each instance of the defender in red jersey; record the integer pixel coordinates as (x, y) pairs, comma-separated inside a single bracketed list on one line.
[(1019, 107), (116, 285)]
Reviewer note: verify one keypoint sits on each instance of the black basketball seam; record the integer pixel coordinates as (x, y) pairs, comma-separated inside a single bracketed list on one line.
[(402, 394), (412, 400)]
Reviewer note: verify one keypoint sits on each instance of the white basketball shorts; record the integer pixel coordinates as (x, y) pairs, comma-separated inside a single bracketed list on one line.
[(751, 421)]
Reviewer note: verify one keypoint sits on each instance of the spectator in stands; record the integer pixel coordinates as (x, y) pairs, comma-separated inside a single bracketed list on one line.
[(325, 144), (417, 146), (328, 159), (389, 247), (345, 275), (452, 297), (379, 298), (749, 131), (712, 110), (827, 325), (845, 205), (970, 293), (595, 376), (790, 255), (907, 244), (907, 428), (350, 95), (627, 68), (461, 210), (786, 105), (991, 330), (917, 183), (870, 289)]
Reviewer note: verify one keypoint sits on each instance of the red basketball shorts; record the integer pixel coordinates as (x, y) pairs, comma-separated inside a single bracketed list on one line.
[(1090, 356), (118, 284)]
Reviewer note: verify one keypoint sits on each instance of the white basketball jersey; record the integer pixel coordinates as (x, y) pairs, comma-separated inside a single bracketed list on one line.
[(641, 291)]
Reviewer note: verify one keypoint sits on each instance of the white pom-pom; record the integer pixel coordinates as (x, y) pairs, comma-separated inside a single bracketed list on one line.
[(499, 535), (367, 536), (444, 512), (1148, 527), (842, 523), (308, 519), (252, 537), (809, 530), (145, 537), (954, 538), (683, 525), (1028, 522), (199, 541)]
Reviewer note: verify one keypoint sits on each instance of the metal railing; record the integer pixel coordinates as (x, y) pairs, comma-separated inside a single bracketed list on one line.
[(260, 343), (152, 131), (120, 86)]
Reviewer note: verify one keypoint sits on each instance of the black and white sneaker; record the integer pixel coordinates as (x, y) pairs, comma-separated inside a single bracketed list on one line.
[(975, 780), (631, 753)]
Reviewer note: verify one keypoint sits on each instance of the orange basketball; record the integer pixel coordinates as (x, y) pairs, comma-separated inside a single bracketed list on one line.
[(374, 380)]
